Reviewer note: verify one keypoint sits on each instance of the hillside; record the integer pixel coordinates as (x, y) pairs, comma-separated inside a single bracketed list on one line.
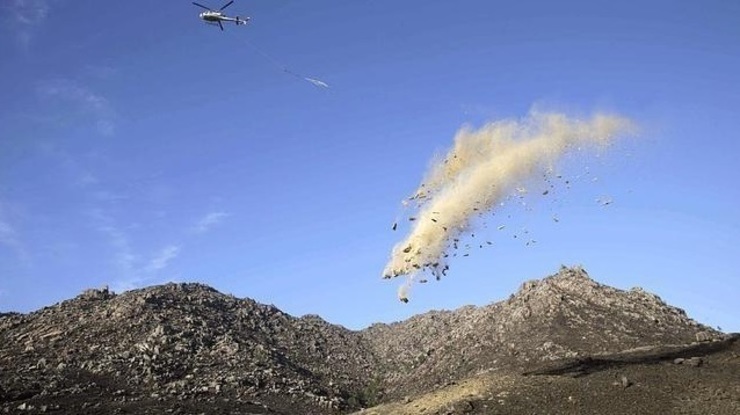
[(186, 348), (564, 315)]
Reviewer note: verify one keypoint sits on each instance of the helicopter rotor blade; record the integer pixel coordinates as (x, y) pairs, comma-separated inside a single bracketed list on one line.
[(226, 5), (221, 25), (202, 6)]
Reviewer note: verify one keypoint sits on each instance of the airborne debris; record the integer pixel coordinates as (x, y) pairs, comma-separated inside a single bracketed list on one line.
[(483, 170), (317, 82)]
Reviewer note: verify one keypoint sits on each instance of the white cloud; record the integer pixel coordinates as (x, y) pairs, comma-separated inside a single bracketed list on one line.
[(100, 71), (86, 178), (29, 12), (25, 16), (87, 102), (124, 257), (209, 221), (122, 285), (10, 239), (8, 236), (163, 258), (133, 272), (79, 174)]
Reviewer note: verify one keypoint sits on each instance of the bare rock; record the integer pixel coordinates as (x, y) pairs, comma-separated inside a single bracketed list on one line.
[(694, 361), (191, 347), (624, 382), (704, 336)]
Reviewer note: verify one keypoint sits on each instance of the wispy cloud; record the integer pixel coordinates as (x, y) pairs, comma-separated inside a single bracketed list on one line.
[(149, 274), (162, 259), (70, 166), (100, 71), (124, 257), (152, 269), (133, 272), (10, 239), (126, 284), (29, 12), (209, 221), (25, 16), (85, 101)]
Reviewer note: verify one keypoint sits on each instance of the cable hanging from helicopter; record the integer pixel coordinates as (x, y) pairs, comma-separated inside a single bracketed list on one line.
[(217, 17)]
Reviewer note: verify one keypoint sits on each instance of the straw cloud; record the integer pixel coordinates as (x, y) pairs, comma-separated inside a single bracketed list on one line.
[(483, 167)]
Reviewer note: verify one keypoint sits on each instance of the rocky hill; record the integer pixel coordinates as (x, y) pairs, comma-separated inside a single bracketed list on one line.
[(177, 342), (186, 348), (564, 315)]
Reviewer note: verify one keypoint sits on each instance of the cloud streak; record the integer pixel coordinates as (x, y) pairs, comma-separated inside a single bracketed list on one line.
[(29, 12), (163, 258), (124, 258), (10, 239), (86, 102), (25, 17), (133, 271), (210, 220)]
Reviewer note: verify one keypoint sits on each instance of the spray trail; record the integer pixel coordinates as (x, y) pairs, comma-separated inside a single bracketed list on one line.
[(277, 64), (483, 167)]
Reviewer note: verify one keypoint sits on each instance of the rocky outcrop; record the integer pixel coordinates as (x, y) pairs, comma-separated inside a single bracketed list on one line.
[(565, 315), (188, 346)]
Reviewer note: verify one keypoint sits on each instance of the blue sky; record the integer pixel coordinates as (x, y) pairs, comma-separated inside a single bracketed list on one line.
[(139, 146)]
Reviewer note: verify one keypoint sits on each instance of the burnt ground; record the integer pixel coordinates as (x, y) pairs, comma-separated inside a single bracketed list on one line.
[(700, 378)]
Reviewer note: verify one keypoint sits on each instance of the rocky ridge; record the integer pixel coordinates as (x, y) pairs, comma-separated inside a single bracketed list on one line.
[(564, 315), (187, 348)]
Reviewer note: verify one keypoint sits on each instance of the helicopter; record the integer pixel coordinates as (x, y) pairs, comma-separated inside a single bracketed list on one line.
[(214, 17)]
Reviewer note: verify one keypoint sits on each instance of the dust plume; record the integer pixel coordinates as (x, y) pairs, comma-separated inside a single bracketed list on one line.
[(482, 168)]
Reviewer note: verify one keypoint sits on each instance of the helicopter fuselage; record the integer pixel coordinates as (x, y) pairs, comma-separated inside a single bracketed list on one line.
[(214, 17)]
